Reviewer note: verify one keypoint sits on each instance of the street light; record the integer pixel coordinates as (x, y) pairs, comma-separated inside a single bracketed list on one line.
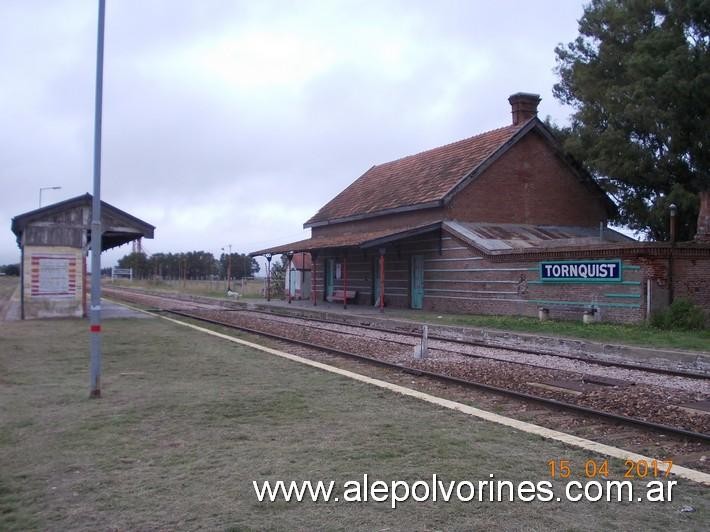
[(45, 188), (229, 268)]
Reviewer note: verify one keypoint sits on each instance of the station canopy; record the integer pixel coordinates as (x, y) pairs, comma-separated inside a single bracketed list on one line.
[(360, 240), (73, 217)]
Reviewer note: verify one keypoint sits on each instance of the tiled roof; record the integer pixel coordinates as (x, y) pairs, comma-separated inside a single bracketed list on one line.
[(415, 180)]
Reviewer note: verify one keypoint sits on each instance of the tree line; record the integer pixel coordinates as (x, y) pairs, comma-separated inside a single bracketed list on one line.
[(189, 265), (10, 269)]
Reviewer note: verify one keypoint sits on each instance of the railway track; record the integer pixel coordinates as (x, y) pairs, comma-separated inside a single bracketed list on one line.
[(455, 380), (412, 331), (689, 441)]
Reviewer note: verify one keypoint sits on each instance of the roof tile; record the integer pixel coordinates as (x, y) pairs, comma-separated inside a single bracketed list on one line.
[(414, 180)]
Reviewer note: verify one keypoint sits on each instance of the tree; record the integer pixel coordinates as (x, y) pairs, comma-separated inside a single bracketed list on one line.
[(638, 77), (242, 265), (278, 276), (10, 269), (189, 265), (138, 262)]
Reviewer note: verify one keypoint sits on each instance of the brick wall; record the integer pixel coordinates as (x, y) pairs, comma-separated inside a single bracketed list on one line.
[(462, 280), (529, 184)]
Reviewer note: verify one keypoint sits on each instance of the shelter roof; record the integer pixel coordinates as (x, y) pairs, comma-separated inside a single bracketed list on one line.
[(362, 240), (118, 226), (507, 238)]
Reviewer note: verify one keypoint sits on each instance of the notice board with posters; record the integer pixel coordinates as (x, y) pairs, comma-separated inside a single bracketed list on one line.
[(53, 275)]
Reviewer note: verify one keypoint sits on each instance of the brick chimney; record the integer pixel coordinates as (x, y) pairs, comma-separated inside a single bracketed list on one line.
[(703, 232), (523, 106)]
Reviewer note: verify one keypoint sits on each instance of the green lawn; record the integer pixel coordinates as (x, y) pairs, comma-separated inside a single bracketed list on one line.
[(188, 421), (250, 289), (8, 284), (641, 335)]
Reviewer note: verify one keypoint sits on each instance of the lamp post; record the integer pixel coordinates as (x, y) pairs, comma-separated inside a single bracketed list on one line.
[(288, 279), (673, 211), (229, 268), (45, 188), (96, 230), (673, 208), (268, 276)]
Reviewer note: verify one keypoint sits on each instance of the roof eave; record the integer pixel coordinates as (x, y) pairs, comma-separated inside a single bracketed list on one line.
[(20, 221), (376, 214), (399, 236)]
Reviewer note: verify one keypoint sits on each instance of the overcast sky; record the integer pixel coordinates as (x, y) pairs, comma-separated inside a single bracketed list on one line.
[(232, 122)]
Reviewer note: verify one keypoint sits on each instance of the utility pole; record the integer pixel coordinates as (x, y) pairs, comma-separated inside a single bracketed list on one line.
[(96, 232)]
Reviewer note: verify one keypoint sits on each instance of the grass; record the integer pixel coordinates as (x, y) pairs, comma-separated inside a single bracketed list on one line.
[(187, 421), (641, 335), (8, 284), (250, 289)]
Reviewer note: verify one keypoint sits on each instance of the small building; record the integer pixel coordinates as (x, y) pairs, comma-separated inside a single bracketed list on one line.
[(54, 242), (500, 223)]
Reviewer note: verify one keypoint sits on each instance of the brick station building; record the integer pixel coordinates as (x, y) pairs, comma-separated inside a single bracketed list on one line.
[(499, 223)]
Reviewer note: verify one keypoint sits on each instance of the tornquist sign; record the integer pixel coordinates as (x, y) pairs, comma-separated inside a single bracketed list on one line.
[(601, 271)]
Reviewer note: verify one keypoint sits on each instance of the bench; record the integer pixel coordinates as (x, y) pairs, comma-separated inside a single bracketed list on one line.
[(339, 295), (578, 310)]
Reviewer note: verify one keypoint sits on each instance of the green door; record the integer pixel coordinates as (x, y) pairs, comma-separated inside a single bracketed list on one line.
[(329, 278), (417, 281)]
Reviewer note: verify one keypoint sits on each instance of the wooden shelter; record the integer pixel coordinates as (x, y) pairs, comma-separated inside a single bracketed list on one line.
[(54, 241)]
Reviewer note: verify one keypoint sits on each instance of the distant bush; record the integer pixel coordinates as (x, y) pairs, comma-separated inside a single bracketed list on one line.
[(10, 269), (680, 315)]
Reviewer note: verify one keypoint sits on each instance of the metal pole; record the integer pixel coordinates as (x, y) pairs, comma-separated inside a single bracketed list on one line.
[(425, 341), (345, 278), (290, 262), (229, 269), (96, 232), (268, 277), (382, 280), (314, 272), (674, 234)]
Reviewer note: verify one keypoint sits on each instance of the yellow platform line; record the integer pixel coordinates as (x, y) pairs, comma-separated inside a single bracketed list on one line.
[(530, 428)]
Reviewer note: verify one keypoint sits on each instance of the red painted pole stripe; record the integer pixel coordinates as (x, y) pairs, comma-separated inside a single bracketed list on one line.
[(96, 328)]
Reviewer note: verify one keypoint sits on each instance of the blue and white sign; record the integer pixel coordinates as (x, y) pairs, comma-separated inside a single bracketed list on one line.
[(581, 271)]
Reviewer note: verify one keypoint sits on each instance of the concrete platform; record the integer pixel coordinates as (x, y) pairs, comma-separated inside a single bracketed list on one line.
[(11, 308), (111, 310)]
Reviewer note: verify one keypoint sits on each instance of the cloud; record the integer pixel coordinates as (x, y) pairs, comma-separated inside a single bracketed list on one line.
[(233, 122)]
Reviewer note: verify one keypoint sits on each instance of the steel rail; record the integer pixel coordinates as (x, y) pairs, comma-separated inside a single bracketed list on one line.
[(476, 343), (471, 342), (698, 436)]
